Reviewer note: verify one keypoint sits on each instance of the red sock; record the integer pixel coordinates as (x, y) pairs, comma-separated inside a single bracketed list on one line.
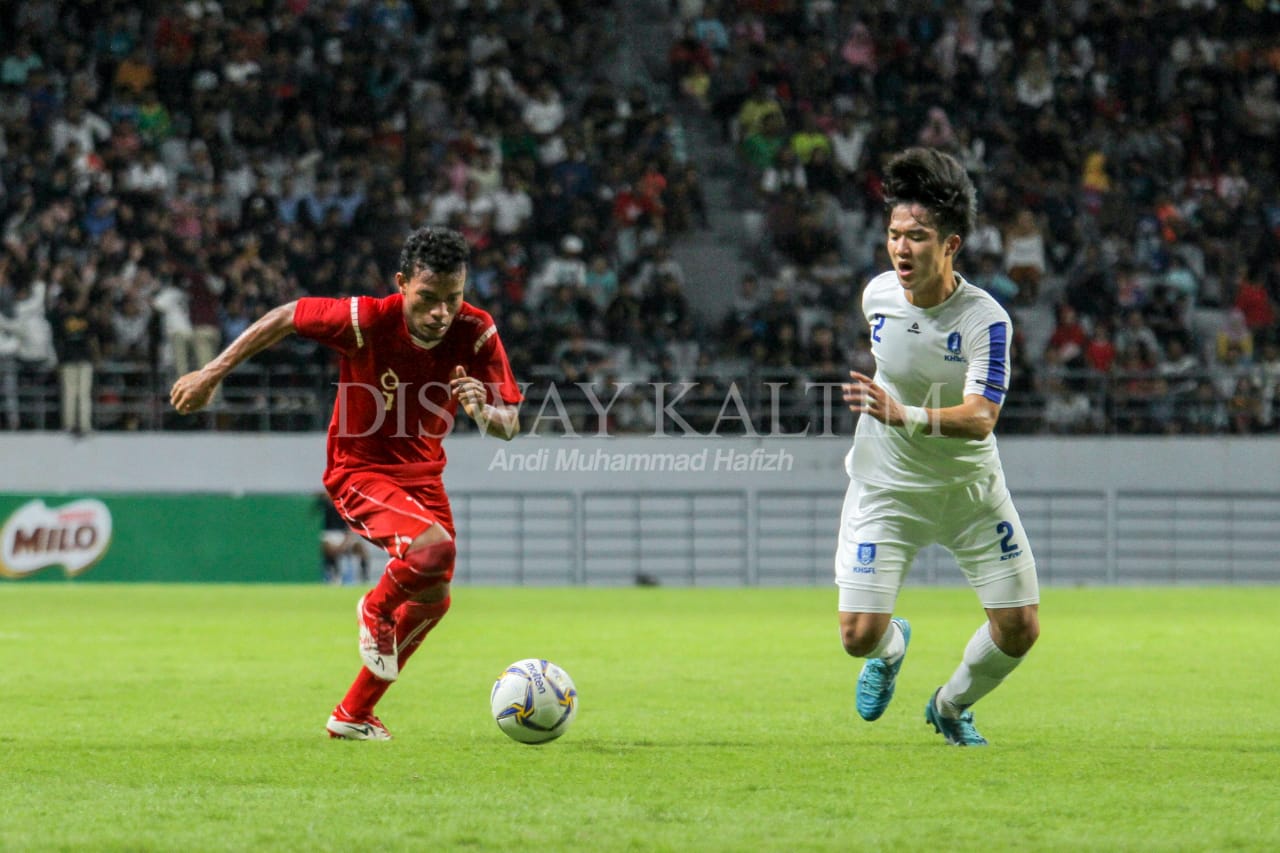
[(413, 622), (404, 578)]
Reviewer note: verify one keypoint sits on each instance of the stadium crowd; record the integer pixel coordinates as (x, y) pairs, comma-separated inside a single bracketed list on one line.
[(171, 170), (1125, 158)]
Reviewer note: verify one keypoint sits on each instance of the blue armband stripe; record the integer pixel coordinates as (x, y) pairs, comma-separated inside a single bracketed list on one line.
[(997, 380)]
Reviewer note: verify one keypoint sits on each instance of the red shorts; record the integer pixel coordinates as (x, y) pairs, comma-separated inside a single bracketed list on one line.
[(389, 515)]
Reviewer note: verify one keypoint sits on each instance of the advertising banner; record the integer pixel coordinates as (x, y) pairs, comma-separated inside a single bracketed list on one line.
[(195, 538)]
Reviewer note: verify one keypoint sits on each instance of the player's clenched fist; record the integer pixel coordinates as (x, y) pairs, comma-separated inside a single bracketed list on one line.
[(191, 392)]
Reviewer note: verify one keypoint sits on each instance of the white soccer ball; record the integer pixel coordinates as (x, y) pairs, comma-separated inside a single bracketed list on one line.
[(534, 701)]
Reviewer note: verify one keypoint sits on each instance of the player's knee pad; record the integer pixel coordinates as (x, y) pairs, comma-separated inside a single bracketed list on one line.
[(433, 562)]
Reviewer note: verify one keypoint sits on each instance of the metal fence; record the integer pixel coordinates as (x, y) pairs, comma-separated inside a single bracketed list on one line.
[(130, 396), (775, 538)]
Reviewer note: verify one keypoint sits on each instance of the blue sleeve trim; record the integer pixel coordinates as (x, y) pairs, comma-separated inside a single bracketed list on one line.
[(997, 380)]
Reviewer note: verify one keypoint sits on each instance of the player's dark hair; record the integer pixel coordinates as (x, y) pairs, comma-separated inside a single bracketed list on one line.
[(441, 250), (938, 183)]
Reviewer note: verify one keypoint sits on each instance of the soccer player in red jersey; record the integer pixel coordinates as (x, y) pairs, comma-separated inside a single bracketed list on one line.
[(408, 361)]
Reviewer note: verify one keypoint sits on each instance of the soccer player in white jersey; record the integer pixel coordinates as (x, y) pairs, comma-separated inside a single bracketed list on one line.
[(924, 466)]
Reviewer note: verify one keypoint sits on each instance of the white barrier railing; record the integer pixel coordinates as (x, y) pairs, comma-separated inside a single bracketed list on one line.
[(761, 538)]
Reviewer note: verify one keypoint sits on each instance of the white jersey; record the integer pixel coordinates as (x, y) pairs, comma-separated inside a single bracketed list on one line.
[(930, 357)]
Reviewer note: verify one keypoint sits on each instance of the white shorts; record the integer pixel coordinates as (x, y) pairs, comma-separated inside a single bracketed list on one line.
[(882, 529)]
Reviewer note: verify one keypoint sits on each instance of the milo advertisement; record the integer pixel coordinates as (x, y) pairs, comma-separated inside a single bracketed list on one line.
[(156, 538)]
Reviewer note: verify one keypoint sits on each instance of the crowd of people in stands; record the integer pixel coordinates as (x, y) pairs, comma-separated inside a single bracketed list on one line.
[(173, 169), (170, 170), (1125, 160)]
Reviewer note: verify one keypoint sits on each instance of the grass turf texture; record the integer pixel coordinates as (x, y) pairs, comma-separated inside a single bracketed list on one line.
[(192, 718)]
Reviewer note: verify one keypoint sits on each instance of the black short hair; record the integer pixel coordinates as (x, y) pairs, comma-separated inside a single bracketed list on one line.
[(937, 182), (441, 250)]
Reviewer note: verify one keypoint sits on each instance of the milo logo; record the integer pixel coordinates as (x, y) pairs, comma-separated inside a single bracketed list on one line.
[(36, 536)]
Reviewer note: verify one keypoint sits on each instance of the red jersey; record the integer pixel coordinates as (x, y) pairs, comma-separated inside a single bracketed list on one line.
[(393, 406)]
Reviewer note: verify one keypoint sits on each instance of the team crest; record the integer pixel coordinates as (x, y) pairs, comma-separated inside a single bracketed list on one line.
[(953, 343), (866, 553)]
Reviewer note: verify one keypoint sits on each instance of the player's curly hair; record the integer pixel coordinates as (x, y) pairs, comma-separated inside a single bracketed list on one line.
[(937, 182), (441, 250)]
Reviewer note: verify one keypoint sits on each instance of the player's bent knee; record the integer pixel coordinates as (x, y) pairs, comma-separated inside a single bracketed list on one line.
[(1018, 629), (860, 636), (1017, 645), (432, 558), (855, 645), (1030, 633)]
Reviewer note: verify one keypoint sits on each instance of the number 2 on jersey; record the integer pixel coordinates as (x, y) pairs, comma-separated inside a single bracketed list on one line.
[(877, 323), (1006, 543)]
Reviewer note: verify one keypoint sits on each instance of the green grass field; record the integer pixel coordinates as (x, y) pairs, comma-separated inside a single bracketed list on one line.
[(191, 718)]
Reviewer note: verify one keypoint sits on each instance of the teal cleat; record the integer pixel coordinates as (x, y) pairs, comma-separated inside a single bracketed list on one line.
[(878, 679), (957, 732)]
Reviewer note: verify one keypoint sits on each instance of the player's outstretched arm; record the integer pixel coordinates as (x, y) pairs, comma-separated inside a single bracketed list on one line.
[(975, 418), (192, 392), (500, 421)]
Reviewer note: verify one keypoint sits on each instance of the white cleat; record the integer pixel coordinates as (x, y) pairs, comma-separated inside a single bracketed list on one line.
[(377, 643), (341, 727)]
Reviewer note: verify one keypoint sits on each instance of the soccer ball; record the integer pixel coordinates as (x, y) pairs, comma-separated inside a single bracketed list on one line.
[(534, 701)]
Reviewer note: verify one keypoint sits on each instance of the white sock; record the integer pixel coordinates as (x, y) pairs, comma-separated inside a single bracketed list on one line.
[(982, 669), (891, 645)]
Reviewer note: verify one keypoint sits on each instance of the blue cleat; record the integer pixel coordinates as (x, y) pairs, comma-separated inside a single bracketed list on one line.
[(957, 732), (878, 679)]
